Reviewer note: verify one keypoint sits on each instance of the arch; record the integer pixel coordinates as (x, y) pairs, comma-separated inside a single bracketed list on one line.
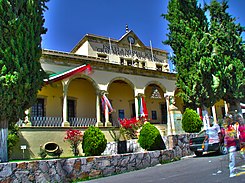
[(156, 102), (163, 88), (121, 95), (95, 85), (130, 83), (82, 93)]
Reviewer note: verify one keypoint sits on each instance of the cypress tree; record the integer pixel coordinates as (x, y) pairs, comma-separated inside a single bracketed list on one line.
[(229, 53), (21, 75), (209, 56)]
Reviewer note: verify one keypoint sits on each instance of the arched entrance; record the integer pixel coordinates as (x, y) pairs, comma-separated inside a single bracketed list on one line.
[(156, 104), (81, 101), (121, 95)]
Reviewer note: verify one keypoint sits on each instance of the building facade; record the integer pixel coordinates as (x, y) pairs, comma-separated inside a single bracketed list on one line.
[(124, 73)]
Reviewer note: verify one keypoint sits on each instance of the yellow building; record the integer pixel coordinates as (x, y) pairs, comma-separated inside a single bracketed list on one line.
[(123, 71), (124, 74)]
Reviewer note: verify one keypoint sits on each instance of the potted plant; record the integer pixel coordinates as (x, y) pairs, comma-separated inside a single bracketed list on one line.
[(117, 134), (129, 129), (74, 137)]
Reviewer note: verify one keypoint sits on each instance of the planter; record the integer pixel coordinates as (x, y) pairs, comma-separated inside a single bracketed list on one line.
[(52, 149), (121, 147)]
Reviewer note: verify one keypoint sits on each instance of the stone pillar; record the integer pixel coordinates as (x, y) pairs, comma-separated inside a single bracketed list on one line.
[(206, 122), (214, 115), (98, 117), (169, 101), (106, 111), (65, 110), (172, 141), (136, 101), (106, 116), (226, 107)]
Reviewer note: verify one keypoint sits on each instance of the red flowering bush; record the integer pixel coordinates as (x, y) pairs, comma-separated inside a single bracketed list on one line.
[(74, 137), (130, 127)]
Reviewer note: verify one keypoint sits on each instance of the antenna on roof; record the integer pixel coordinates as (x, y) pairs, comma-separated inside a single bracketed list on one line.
[(127, 30), (152, 56), (110, 45)]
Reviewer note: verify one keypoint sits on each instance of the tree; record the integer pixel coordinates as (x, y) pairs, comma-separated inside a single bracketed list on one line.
[(207, 57), (229, 53), (21, 75), (187, 27)]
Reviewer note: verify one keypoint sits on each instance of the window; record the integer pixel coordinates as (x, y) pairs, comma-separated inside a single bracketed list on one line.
[(37, 110), (159, 67), (121, 61), (136, 63), (71, 108), (102, 55), (164, 113), (129, 62), (121, 114), (154, 115)]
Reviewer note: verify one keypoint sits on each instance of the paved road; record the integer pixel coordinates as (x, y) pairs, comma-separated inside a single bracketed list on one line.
[(207, 169)]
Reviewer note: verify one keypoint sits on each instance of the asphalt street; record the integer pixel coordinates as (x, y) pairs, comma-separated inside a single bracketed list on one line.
[(209, 168)]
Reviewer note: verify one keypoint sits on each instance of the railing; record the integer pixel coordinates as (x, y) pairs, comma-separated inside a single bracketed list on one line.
[(46, 121), (57, 122), (82, 122)]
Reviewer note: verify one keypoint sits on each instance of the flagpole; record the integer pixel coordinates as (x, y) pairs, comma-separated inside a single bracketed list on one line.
[(151, 52), (110, 45), (131, 50)]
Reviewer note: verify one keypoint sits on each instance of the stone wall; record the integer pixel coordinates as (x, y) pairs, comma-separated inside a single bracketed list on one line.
[(65, 170), (132, 146)]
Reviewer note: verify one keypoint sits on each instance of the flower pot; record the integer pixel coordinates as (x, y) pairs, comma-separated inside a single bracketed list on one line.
[(121, 147), (52, 149)]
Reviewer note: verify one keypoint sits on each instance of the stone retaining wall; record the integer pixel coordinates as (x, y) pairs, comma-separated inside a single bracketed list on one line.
[(66, 170)]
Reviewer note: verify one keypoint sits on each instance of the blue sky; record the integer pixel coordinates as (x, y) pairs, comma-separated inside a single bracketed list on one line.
[(68, 21)]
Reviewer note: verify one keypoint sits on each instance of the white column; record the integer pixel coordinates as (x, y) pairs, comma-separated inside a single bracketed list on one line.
[(169, 123), (226, 107), (65, 90), (98, 119), (106, 116), (206, 123), (136, 107), (172, 122), (214, 115)]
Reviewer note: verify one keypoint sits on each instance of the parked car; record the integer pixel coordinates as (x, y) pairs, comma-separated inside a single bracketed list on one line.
[(215, 142)]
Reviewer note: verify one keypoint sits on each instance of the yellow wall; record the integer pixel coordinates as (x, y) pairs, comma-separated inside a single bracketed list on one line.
[(121, 94), (154, 104), (83, 91), (53, 95), (33, 138)]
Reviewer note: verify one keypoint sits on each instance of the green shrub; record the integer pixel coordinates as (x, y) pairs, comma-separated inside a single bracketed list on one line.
[(13, 138), (191, 121), (94, 142), (150, 138)]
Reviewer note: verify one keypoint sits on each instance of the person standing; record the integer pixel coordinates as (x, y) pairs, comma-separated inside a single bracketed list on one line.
[(230, 143), (241, 130)]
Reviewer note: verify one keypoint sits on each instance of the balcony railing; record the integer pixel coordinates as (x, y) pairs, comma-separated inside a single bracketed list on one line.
[(82, 122), (57, 122), (46, 121)]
